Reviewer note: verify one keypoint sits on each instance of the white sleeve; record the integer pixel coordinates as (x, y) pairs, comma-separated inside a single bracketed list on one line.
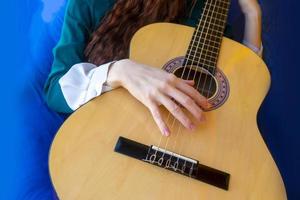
[(83, 82), (258, 51)]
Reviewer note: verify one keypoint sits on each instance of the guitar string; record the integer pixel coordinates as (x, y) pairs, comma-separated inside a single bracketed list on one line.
[(215, 5), (212, 19), (227, 4), (203, 45), (203, 53), (201, 35), (181, 77), (202, 19), (214, 62), (179, 129), (159, 143), (201, 74), (215, 65), (166, 145), (184, 68)]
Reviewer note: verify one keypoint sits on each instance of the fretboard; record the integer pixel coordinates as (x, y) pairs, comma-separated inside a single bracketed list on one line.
[(205, 45)]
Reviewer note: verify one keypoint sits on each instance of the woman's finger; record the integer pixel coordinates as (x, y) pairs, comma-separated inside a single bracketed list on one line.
[(176, 111), (190, 82), (186, 101), (193, 93), (154, 109)]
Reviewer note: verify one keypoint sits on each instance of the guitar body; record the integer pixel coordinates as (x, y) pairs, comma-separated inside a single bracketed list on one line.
[(83, 164)]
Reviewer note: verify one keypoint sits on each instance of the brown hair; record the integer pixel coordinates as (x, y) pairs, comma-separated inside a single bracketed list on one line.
[(111, 39)]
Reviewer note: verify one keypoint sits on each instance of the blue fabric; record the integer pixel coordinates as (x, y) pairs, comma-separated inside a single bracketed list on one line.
[(32, 126), (40, 123), (37, 124), (279, 116)]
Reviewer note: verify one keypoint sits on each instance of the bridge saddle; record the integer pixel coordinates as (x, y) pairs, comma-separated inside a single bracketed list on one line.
[(172, 161)]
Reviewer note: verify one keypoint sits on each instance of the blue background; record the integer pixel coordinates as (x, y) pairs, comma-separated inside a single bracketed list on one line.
[(30, 29)]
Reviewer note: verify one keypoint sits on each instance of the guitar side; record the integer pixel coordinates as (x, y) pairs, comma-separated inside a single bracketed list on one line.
[(84, 166)]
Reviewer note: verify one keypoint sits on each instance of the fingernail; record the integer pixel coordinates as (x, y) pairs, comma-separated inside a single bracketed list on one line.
[(208, 105), (166, 132), (192, 127)]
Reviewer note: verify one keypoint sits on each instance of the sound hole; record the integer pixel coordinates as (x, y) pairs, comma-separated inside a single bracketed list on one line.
[(205, 82)]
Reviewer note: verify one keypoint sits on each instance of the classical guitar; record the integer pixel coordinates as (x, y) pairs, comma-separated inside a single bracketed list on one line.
[(111, 147)]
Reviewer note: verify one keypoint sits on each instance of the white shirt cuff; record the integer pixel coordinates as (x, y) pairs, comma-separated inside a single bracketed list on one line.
[(83, 82)]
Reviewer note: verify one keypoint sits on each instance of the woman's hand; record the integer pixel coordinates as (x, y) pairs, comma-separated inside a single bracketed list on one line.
[(154, 87)]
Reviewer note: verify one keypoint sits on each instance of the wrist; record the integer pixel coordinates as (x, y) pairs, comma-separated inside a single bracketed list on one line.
[(115, 75), (113, 79)]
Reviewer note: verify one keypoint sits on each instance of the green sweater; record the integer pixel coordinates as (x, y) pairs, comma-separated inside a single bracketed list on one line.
[(82, 17)]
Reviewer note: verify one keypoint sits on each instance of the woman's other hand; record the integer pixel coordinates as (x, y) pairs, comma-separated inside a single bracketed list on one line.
[(154, 87)]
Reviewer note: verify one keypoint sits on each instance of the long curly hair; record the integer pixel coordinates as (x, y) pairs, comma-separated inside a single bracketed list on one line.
[(111, 40)]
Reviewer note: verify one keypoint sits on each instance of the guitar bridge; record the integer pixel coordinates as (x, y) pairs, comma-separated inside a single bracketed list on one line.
[(174, 162)]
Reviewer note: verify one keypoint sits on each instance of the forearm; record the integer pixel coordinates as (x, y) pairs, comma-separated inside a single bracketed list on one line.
[(252, 35)]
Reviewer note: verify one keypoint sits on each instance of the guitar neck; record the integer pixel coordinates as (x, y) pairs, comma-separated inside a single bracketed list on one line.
[(204, 47)]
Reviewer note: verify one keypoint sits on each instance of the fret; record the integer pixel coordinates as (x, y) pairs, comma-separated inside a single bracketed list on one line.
[(220, 11), (213, 13), (218, 26), (205, 54), (209, 55), (213, 17), (209, 38), (217, 20), (215, 38), (212, 26), (209, 42), (219, 15), (214, 30), (225, 4), (219, 8), (206, 30), (202, 61), (204, 46), (221, 4), (193, 57), (200, 64)]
